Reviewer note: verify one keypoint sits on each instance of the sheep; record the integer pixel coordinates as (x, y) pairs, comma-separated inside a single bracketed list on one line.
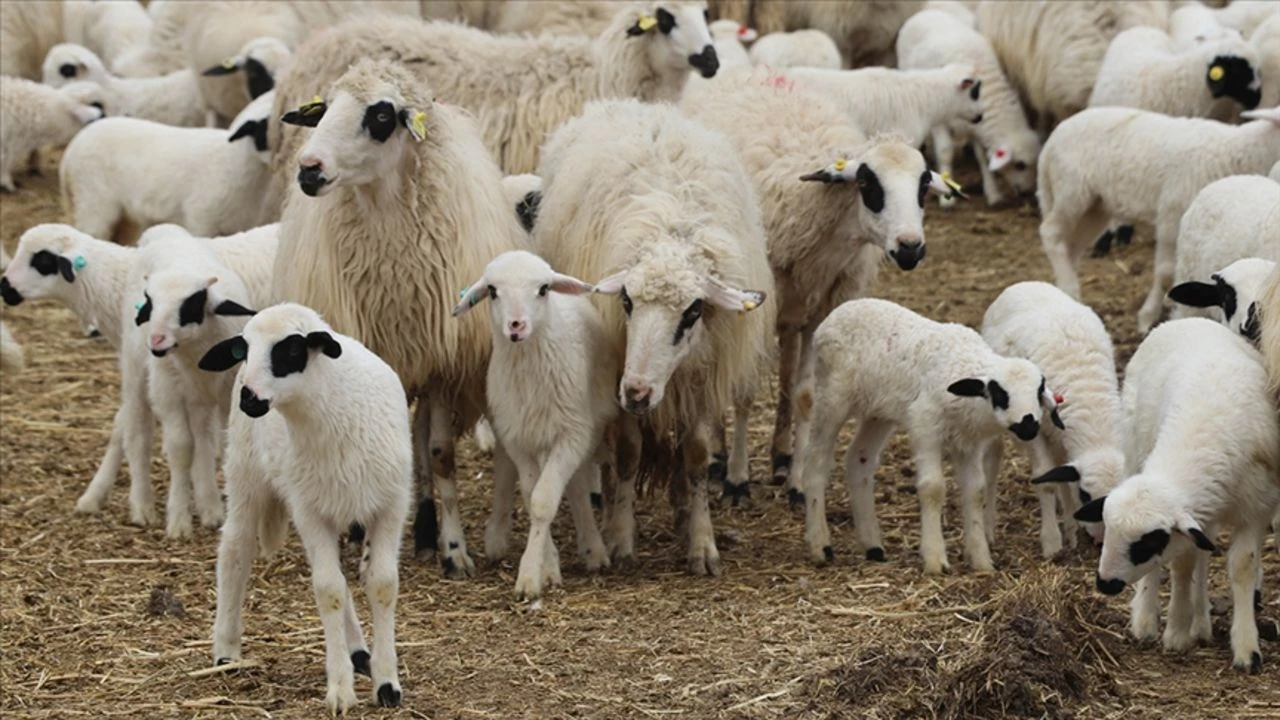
[(90, 276), (361, 188), (285, 454), (1051, 51), (1230, 295), (729, 38), (1266, 43), (550, 393), (662, 211), (172, 99), (210, 181), (519, 88), (908, 102), (954, 394), (864, 31), (112, 28), (34, 115), (1144, 167), (1193, 24), (1144, 69), (1068, 342), (799, 48), (825, 240), (1003, 142), (1203, 445)]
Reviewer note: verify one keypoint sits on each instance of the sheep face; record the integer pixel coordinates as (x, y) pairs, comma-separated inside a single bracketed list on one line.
[(678, 38), (68, 62), (1232, 75), (1015, 160), (1234, 291), (44, 266), (175, 306), (518, 285), (1018, 396), (1141, 523), (1097, 474), (966, 94), (251, 125)]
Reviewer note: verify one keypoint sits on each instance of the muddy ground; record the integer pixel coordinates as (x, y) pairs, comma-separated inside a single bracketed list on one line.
[(98, 618)]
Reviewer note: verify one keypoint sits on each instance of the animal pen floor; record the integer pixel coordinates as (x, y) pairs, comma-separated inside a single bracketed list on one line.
[(98, 618)]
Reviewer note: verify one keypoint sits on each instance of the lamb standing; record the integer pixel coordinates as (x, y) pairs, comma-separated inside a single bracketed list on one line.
[(34, 115)]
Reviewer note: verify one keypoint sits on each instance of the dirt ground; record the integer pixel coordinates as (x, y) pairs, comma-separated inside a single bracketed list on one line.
[(98, 618)]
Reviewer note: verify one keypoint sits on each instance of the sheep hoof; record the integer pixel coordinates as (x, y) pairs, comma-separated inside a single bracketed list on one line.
[(355, 533), (795, 498), (876, 554), (781, 468), (457, 565), (388, 695), (340, 698), (1124, 235), (89, 505), (736, 494), (360, 663), (1253, 665)]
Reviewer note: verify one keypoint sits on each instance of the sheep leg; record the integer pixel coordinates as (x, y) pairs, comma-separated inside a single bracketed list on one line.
[(382, 585), (548, 489), (1242, 564), (991, 461), (704, 558), (620, 523), (738, 483), (804, 379), (1177, 628), (206, 434), (1161, 276), (497, 532), (816, 435), (179, 446), (104, 480), (973, 485), (1069, 502), (718, 470), (1144, 609), (590, 543), (453, 541), (1201, 622), (235, 561), (990, 183), (355, 635), (860, 462), (789, 346), (1047, 494), (425, 526), (931, 489), (330, 587), (1055, 239), (139, 426), (944, 151)]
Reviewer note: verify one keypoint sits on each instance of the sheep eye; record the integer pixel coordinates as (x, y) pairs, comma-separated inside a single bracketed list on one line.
[(493, 293), (626, 302), (383, 117), (542, 291), (687, 320), (1019, 165)]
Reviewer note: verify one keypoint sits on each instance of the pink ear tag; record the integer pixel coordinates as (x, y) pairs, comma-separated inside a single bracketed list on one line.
[(1000, 153), (1058, 399)]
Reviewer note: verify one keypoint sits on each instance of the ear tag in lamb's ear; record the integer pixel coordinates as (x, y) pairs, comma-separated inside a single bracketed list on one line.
[(1058, 399), (1216, 72), (955, 186), (79, 262), (418, 125), (313, 107), (138, 305), (647, 22), (229, 63), (841, 164)]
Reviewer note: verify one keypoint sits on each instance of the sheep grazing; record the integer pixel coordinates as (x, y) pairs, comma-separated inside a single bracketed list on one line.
[(1006, 147), (801, 48), (1068, 342), (833, 205), (34, 115), (1144, 167), (662, 211), (1203, 447), (172, 99), (1231, 294), (863, 30), (955, 396), (286, 458), (550, 393), (908, 102), (389, 173), (112, 28), (646, 52), (126, 169)]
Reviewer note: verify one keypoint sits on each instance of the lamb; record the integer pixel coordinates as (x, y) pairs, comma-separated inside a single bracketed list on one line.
[(550, 394), (1203, 446), (172, 99), (210, 181), (1144, 69), (1068, 342), (646, 52), (261, 60), (362, 197), (864, 31), (799, 48), (826, 240), (1231, 294), (661, 210), (1003, 142), (286, 455), (34, 115), (908, 102), (1144, 167), (112, 28)]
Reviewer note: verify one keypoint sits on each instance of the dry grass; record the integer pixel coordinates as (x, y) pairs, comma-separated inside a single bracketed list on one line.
[(98, 618)]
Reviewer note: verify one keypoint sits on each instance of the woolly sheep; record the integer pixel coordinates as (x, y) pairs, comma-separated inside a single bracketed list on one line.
[(1231, 294), (550, 394), (286, 458), (1266, 43), (1144, 167), (826, 240), (800, 48), (662, 211), (952, 392), (34, 115), (172, 99), (112, 28), (1203, 445), (863, 30), (210, 181), (908, 102), (1068, 342), (646, 52), (1003, 142), (1193, 24), (360, 189)]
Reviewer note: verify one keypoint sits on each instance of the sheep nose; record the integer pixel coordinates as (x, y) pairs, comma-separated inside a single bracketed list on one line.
[(10, 294), (910, 252), (1026, 429), (638, 398), (311, 178), (251, 404), (1109, 587), (516, 329), (705, 62)]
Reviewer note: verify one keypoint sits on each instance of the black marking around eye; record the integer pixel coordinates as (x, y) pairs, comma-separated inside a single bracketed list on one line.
[(870, 187), (999, 398), (258, 77), (666, 21), (44, 262), (191, 311), (687, 320), (289, 356), (626, 302), (380, 120), (1148, 546)]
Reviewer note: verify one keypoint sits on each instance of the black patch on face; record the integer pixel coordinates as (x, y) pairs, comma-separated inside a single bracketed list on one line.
[(527, 209), (44, 262), (690, 316), (999, 398), (925, 179), (1252, 327), (144, 312), (666, 21), (626, 302), (1236, 78), (289, 356), (191, 312), (870, 187), (493, 293), (380, 120), (67, 70), (256, 129), (9, 293), (1148, 546), (258, 78)]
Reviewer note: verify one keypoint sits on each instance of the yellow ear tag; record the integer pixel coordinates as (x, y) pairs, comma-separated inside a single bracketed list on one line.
[(418, 125), (229, 63), (1216, 72), (313, 107), (840, 164), (946, 179), (647, 22), (749, 305)]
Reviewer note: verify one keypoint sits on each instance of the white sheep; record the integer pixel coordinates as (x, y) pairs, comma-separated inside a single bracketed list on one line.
[(172, 99), (1192, 24), (1068, 342), (210, 181), (1266, 43), (112, 28), (863, 30), (907, 102), (1003, 142), (834, 205), (1231, 294), (550, 394), (952, 392), (287, 459), (661, 211), (370, 240), (1143, 167), (799, 48), (34, 115), (519, 88), (1203, 445)]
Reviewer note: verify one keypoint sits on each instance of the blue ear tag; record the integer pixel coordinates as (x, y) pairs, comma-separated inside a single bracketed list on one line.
[(79, 262), (462, 293), (138, 305), (237, 352)]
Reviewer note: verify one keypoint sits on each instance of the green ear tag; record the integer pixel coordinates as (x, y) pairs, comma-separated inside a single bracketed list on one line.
[(79, 262), (138, 305), (237, 352)]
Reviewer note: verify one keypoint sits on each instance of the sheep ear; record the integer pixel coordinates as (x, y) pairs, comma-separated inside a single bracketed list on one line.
[(470, 297), (723, 296), (64, 267), (308, 115), (415, 121), (231, 307), (643, 25), (969, 387), (226, 67), (1000, 157), (611, 285), (569, 285), (259, 78), (86, 114), (1056, 419), (1193, 531), (1091, 511), (245, 130), (1252, 328), (144, 312), (946, 187), (1196, 294), (1062, 473), (833, 173), (224, 355), (325, 342)]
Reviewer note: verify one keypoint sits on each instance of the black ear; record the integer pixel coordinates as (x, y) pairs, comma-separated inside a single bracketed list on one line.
[(231, 307), (1252, 327), (307, 116), (326, 343), (969, 387), (1057, 419), (259, 79), (822, 176), (248, 129), (1062, 473), (64, 267), (1091, 511), (224, 355), (144, 312), (1202, 541), (635, 30), (221, 69), (1196, 294)]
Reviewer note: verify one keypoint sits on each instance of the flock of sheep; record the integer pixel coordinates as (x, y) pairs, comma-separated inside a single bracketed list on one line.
[(652, 214)]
